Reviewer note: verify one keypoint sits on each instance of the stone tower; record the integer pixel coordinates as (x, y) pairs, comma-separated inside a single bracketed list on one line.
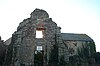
[(34, 39)]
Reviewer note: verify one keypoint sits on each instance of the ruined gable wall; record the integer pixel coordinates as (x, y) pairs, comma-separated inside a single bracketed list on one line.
[(25, 40)]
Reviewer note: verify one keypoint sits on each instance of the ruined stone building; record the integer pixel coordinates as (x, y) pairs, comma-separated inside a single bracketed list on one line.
[(2, 51), (38, 41)]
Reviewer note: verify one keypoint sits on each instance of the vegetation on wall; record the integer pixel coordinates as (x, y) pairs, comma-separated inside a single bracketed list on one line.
[(97, 57), (53, 60), (62, 61), (85, 55), (92, 48), (87, 50)]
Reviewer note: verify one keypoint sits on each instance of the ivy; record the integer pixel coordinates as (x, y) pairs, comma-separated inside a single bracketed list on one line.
[(53, 60), (62, 61)]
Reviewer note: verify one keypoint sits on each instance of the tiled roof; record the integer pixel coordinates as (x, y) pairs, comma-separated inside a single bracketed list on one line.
[(72, 36)]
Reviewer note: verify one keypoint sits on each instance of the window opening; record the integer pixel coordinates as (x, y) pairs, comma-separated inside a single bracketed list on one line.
[(39, 48), (39, 34)]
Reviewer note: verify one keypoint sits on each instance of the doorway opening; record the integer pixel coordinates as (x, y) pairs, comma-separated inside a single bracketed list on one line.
[(38, 58)]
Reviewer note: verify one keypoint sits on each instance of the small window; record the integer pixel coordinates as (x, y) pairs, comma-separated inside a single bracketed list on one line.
[(39, 34), (39, 48)]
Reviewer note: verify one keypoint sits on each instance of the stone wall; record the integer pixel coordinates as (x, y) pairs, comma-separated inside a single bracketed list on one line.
[(75, 46), (56, 51), (2, 51), (24, 41)]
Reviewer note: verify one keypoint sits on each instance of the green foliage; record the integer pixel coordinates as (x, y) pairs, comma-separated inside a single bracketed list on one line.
[(80, 52), (97, 57), (75, 60), (53, 60), (92, 48), (87, 51), (62, 61), (84, 52)]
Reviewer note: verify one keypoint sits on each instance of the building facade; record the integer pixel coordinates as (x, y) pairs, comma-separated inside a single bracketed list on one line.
[(38, 41)]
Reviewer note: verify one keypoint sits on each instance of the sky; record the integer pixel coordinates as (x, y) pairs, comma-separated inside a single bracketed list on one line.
[(73, 16)]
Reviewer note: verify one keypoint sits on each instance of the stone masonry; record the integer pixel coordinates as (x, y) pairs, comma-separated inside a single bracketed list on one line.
[(25, 42), (26, 49)]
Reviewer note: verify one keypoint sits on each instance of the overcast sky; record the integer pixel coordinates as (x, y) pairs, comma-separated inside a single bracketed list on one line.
[(73, 16)]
